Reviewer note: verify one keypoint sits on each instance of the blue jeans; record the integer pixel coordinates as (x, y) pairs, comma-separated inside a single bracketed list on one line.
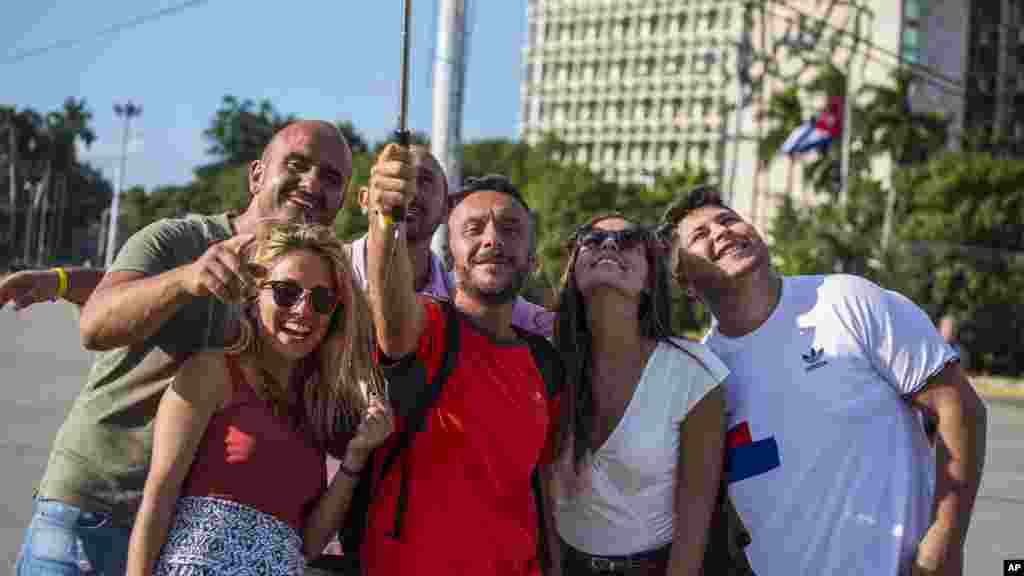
[(51, 545)]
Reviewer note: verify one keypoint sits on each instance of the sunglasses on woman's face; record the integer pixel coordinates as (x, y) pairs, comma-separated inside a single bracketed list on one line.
[(624, 239), (288, 294)]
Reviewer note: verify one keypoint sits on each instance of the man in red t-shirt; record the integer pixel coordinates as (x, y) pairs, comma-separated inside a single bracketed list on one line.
[(467, 507)]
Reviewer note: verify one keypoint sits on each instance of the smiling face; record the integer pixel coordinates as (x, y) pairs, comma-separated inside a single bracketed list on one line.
[(429, 207), (303, 174), (612, 253), (295, 329), (722, 247), (489, 239)]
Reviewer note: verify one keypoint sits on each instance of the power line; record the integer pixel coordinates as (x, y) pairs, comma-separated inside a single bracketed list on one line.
[(128, 25), (925, 73)]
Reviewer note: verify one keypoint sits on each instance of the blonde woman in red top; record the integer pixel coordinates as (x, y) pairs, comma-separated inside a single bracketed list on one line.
[(237, 482)]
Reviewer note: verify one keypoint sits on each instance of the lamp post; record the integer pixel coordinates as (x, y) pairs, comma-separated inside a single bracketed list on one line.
[(126, 111)]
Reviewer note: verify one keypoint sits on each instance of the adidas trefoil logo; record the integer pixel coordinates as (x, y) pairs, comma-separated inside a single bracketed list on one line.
[(814, 358)]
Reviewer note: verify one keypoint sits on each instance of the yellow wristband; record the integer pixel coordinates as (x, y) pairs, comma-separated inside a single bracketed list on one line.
[(62, 282)]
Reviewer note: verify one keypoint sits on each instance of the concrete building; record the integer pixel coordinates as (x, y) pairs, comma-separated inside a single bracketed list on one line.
[(646, 86), (995, 62)]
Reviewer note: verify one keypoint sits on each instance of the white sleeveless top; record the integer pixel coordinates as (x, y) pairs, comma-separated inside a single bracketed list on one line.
[(623, 501)]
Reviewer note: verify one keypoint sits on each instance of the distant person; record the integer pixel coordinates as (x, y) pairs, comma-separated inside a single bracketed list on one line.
[(950, 330), (826, 456), (237, 480), (163, 299)]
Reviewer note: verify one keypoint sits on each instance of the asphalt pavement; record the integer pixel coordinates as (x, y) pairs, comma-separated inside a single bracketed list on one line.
[(43, 366)]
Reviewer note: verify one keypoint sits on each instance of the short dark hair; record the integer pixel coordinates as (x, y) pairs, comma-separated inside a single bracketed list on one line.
[(489, 182), (696, 197)]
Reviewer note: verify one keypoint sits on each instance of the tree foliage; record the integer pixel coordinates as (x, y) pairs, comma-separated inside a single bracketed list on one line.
[(53, 197), (960, 251)]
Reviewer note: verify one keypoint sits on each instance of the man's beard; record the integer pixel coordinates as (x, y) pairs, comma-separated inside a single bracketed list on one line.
[(491, 296)]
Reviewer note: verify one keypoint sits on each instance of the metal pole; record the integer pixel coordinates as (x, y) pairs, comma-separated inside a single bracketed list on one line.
[(449, 82), (126, 111), (402, 134), (12, 159), (844, 175)]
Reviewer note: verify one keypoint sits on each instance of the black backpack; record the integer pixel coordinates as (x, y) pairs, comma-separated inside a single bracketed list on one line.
[(414, 409)]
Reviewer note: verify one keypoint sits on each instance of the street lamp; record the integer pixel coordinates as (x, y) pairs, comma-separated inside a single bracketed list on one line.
[(126, 111)]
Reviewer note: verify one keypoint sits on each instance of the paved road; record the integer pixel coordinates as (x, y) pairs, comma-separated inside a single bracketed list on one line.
[(42, 366)]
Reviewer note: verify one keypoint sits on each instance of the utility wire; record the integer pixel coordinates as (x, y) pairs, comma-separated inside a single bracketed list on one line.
[(128, 25), (926, 73)]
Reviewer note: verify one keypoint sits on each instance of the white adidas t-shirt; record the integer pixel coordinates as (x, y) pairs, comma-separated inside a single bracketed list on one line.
[(623, 500), (826, 458)]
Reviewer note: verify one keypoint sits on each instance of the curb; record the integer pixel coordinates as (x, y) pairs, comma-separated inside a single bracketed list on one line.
[(989, 390)]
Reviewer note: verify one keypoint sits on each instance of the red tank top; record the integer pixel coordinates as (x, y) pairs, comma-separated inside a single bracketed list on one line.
[(250, 456)]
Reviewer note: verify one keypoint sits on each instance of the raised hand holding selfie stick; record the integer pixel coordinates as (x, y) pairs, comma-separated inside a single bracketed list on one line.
[(402, 134)]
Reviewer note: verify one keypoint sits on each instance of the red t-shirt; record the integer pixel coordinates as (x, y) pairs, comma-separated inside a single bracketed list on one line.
[(470, 507)]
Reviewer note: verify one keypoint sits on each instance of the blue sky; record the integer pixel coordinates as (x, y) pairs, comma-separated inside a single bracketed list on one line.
[(316, 58)]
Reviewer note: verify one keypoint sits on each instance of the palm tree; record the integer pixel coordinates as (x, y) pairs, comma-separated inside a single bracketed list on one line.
[(893, 127), (54, 157), (67, 127)]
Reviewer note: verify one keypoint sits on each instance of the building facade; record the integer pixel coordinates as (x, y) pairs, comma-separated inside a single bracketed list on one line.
[(642, 87), (638, 86)]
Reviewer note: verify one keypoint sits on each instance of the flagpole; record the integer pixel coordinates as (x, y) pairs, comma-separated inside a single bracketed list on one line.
[(844, 166)]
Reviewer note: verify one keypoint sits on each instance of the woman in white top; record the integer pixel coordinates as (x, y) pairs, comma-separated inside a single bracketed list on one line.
[(642, 430)]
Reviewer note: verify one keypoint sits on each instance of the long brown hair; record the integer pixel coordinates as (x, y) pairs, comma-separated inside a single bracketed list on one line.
[(575, 342), (325, 397)]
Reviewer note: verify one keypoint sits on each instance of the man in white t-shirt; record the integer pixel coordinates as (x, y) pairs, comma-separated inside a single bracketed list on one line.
[(826, 458)]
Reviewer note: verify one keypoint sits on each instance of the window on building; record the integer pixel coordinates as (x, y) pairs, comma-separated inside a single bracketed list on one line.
[(913, 41)]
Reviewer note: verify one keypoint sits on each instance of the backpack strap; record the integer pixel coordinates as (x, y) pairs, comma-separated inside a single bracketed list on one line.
[(547, 359), (549, 364), (416, 418)]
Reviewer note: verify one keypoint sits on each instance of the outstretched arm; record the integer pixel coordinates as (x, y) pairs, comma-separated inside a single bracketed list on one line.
[(129, 307), (29, 287), (397, 316)]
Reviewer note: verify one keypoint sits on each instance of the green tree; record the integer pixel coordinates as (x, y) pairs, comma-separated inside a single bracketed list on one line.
[(240, 129), (906, 135), (829, 237), (960, 250), (356, 141)]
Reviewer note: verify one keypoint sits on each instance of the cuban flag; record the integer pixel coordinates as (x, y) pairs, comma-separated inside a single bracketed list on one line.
[(746, 458), (818, 132)]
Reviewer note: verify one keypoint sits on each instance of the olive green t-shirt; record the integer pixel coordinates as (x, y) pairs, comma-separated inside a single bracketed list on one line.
[(100, 456)]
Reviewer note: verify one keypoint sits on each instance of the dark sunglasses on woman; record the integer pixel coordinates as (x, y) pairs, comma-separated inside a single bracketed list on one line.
[(627, 239), (288, 294)]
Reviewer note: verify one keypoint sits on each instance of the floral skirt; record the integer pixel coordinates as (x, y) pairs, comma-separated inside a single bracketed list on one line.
[(217, 537)]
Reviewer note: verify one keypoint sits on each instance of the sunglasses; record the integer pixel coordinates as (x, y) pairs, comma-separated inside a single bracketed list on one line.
[(624, 239), (288, 293)]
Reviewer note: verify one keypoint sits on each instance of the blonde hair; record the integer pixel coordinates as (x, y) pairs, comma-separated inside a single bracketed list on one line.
[(336, 377)]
